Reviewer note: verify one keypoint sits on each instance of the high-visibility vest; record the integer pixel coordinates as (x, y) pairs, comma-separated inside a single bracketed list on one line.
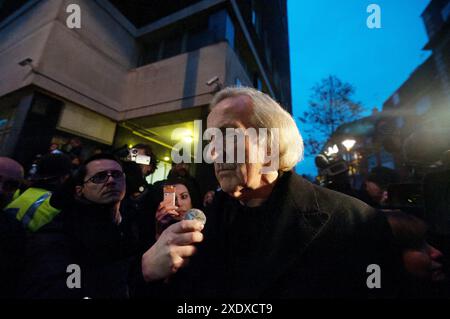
[(16, 194), (33, 208)]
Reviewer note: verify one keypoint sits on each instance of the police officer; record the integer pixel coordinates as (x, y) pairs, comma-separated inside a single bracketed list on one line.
[(33, 208), (11, 177)]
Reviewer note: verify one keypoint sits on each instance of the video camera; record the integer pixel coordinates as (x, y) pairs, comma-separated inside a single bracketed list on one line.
[(427, 196), (333, 173), (330, 167), (132, 155), (426, 157)]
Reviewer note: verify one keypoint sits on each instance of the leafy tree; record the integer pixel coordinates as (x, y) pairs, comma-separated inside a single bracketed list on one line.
[(330, 106)]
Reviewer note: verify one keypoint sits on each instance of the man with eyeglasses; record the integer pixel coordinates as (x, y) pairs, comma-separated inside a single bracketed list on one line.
[(91, 248)]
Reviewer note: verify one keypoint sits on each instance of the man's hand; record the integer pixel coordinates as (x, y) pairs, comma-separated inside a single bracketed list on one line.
[(172, 250)]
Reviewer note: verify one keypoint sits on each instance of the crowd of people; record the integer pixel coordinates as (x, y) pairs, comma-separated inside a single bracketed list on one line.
[(99, 230)]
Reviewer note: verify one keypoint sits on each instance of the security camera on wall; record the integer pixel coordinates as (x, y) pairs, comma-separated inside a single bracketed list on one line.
[(212, 80)]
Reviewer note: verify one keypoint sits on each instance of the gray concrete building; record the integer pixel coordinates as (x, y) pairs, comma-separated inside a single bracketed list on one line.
[(122, 72), (416, 118)]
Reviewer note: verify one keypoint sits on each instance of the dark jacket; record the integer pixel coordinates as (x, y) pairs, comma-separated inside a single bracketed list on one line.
[(12, 246), (83, 234), (143, 209), (304, 241)]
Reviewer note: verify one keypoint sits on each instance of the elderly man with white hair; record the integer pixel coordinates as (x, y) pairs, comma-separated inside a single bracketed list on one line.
[(270, 233)]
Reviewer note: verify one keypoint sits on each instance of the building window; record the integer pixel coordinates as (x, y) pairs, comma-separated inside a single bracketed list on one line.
[(387, 160), (268, 51), (257, 83), (8, 7), (7, 113), (172, 45), (189, 35), (423, 105), (221, 27), (256, 19), (399, 122), (199, 36), (446, 12), (229, 31), (396, 99), (276, 80)]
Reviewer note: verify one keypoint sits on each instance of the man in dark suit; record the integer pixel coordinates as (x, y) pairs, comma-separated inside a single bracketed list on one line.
[(271, 233)]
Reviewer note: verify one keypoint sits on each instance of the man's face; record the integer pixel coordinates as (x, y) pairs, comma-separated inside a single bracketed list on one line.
[(235, 179), (183, 199), (424, 262), (182, 169), (111, 191), (375, 192)]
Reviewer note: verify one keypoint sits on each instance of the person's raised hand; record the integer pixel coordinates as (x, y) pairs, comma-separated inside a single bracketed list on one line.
[(172, 250)]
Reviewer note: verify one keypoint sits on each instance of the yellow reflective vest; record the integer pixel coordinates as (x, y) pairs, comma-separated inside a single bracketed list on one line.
[(33, 208), (16, 194)]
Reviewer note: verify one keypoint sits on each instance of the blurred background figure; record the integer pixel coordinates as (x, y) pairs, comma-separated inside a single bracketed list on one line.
[(76, 162), (179, 170), (142, 198), (183, 170), (145, 149), (54, 149), (208, 198), (374, 189), (32, 208), (140, 202), (75, 147), (34, 165), (424, 274), (11, 177)]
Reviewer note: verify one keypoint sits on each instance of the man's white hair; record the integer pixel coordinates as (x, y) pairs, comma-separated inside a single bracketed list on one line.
[(267, 113)]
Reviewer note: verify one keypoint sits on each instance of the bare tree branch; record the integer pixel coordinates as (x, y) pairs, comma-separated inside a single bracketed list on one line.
[(330, 105)]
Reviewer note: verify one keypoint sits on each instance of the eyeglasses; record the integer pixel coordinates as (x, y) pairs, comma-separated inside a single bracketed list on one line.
[(102, 177)]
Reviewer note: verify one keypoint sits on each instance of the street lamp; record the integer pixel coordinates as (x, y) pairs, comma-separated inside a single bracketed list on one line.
[(332, 150), (188, 139), (348, 144)]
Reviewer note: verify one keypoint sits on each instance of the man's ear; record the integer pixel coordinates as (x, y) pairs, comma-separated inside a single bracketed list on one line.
[(79, 190)]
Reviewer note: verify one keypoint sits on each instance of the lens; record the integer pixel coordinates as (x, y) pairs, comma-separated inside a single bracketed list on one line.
[(100, 177)]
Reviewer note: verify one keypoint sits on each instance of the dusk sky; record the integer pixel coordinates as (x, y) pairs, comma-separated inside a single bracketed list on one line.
[(331, 37)]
